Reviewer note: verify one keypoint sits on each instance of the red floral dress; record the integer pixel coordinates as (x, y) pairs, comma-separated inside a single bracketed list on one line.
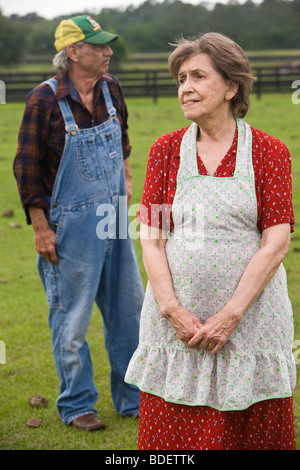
[(266, 425)]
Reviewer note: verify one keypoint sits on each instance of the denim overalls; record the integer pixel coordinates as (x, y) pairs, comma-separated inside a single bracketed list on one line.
[(94, 264)]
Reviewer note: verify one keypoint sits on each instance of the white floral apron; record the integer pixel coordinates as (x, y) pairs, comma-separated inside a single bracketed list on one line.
[(215, 235)]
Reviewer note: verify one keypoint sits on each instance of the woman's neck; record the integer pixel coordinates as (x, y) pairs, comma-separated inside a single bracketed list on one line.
[(216, 130), (213, 143)]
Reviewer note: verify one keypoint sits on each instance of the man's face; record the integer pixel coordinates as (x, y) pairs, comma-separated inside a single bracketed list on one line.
[(94, 58)]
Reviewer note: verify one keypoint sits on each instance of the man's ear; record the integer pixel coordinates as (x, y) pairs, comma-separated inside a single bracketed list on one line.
[(72, 52)]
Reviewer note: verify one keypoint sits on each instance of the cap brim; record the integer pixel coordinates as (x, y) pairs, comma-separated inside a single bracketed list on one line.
[(102, 37)]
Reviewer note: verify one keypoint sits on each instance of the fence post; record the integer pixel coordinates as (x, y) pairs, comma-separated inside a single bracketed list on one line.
[(155, 86), (277, 78), (258, 84), (147, 81)]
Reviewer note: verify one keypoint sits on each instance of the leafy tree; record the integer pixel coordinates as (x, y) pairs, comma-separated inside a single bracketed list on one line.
[(13, 35), (152, 26)]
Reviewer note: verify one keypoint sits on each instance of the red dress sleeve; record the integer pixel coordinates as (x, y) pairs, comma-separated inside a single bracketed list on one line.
[(273, 181), (160, 181)]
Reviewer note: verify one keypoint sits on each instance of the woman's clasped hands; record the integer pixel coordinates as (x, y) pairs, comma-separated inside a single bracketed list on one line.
[(211, 335)]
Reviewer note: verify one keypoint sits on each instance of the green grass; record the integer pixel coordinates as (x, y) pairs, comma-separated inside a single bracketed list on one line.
[(29, 367)]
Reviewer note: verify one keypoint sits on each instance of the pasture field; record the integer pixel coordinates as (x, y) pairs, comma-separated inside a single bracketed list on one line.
[(29, 367)]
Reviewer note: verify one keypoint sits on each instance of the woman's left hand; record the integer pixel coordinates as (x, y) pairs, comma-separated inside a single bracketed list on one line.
[(216, 331)]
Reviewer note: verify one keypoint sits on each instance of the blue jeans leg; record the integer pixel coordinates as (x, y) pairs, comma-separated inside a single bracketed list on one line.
[(70, 307), (120, 298), (92, 270)]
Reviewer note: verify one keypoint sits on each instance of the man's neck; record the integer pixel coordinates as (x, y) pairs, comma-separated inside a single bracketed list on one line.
[(85, 86)]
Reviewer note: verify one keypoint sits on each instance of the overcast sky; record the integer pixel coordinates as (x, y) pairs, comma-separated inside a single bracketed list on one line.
[(52, 8)]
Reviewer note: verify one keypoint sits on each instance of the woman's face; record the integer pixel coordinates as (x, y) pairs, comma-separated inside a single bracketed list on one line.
[(203, 93)]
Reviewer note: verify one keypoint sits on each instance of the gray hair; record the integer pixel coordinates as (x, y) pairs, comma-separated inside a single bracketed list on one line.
[(61, 60), (229, 60)]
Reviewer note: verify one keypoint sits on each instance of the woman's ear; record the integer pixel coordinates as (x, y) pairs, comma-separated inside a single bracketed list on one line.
[(231, 90)]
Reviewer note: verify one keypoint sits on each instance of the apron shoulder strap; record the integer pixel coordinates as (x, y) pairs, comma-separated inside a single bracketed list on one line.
[(188, 154), (244, 165)]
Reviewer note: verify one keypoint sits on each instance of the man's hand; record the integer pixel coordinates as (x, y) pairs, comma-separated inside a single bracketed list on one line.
[(45, 245), (43, 235)]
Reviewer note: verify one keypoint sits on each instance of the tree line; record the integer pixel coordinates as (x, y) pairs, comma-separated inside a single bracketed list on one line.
[(152, 26)]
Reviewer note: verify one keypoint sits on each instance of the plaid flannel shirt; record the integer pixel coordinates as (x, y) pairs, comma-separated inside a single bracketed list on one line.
[(42, 135)]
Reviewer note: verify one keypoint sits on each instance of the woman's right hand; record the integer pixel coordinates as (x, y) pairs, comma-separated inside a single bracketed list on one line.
[(153, 241), (184, 323)]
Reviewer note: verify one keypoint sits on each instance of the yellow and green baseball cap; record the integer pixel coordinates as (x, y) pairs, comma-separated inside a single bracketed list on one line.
[(81, 28)]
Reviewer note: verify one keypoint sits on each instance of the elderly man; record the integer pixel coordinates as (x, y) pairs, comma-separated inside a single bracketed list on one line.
[(73, 177)]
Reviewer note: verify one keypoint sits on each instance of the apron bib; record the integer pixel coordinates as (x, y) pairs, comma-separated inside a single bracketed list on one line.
[(215, 235)]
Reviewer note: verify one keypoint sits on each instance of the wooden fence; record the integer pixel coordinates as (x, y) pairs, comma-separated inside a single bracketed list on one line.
[(155, 83)]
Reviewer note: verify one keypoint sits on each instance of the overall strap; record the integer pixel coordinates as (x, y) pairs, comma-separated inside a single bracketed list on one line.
[(108, 101), (70, 124), (52, 84)]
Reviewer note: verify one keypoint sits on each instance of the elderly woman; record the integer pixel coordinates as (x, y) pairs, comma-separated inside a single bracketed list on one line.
[(214, 363)]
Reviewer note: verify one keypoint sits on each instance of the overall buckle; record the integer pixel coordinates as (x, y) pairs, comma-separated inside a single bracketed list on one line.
[(72, 128)]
